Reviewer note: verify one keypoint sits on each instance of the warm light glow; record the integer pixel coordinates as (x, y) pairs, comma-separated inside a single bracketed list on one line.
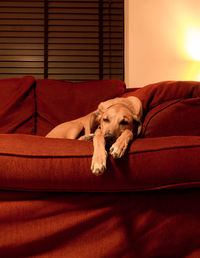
[(191, 71), (198, 77), (193, 43)]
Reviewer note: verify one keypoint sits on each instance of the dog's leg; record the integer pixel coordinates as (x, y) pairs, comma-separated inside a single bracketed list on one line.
[(100, 154), (119, 147)]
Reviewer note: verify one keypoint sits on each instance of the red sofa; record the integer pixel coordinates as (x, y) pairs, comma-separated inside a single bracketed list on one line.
[(145, 205)]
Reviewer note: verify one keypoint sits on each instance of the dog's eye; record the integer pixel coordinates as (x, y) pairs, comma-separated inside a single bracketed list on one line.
[(123, 122), (106, 120)]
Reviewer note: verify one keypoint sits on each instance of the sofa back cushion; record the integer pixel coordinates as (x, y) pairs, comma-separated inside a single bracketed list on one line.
[(178, 117), (17, 105), (170, 108), (60, 101)]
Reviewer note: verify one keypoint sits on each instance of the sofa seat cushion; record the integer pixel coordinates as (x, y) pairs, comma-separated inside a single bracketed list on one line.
[(36, 163), (17, 105), (60, 101), (170, 108)]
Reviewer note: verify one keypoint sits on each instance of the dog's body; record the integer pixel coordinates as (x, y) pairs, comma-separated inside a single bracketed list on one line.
[(116, 122)]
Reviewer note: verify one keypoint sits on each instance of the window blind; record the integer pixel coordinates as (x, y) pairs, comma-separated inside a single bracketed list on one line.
[(71, 40), (21, 38)]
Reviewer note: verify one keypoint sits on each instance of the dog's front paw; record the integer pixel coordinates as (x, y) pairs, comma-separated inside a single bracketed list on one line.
[(99, 164), (98, 169), (117, 151)]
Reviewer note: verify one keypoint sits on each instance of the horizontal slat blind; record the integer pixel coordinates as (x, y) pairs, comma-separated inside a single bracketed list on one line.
[(113, 39), (21, 38), (71, 40)]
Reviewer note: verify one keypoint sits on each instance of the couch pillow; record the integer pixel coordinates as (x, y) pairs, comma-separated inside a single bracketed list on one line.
[(170, 108), (175, 117), (17, 105), (156, 93), (60, 101)]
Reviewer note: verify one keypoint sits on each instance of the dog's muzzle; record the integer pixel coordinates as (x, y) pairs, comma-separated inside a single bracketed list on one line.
[(109, 138)]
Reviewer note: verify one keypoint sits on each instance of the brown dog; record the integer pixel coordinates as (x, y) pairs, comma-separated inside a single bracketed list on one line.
[(115, 123)]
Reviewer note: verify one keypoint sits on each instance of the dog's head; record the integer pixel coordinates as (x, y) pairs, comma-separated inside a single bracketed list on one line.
[(116, 115)]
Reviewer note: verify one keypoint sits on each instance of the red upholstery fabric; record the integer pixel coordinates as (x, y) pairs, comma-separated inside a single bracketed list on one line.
[(139, 224), (17, 105), (171, 108), (64, 165), (145, 205), (175, 117), (154, 94), (60, 101)]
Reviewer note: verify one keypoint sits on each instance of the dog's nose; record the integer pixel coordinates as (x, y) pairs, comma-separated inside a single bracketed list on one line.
[(109, 138)]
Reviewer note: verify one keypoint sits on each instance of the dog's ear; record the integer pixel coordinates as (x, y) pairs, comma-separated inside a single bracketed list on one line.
[(135, 105), (94, 120)]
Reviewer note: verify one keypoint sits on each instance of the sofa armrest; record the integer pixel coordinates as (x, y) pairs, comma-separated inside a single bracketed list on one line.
[(34, 163)]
